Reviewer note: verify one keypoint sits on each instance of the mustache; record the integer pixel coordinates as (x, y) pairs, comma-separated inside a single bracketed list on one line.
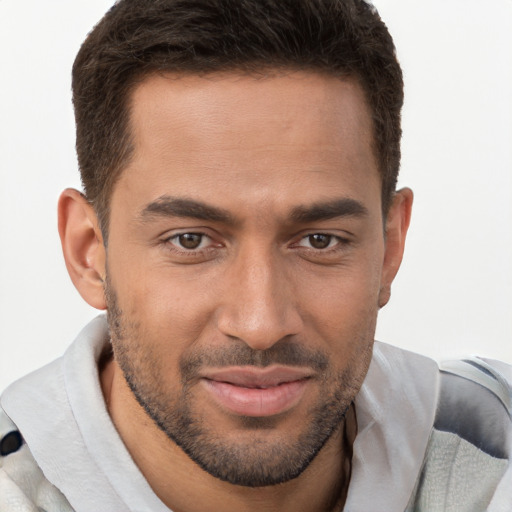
[(284, 352)]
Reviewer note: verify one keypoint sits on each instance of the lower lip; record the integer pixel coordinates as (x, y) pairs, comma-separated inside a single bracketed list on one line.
[(254, 401)]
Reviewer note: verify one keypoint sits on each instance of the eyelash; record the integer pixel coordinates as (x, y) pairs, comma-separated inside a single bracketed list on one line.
[(339, 242), (172, 243)]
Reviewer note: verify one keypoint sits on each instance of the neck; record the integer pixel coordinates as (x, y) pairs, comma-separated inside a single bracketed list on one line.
[(184, 487)]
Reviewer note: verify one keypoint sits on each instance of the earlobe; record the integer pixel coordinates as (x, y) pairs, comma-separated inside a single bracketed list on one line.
[(397, 224), (82, 245)]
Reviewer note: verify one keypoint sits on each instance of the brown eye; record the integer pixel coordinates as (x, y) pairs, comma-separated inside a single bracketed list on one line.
[(319, 241), (190, 240)]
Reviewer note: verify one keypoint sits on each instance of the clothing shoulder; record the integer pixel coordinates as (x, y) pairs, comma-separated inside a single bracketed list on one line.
[(23, 486), (468, 464), (475, 403)]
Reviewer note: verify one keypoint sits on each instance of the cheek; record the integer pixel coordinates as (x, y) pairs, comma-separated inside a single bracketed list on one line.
[(342, 294), (169, 308), (341, 311)]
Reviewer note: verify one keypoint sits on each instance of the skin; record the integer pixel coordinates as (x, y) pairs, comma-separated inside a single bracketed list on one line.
[(263, 151)]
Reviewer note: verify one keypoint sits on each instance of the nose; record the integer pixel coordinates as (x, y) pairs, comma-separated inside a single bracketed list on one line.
[(260, 304)]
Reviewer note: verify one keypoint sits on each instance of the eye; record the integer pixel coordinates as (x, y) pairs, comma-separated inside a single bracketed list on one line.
[(190, 241), (319, 241)]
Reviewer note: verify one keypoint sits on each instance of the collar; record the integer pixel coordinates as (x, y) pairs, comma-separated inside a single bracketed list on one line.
[(395, 412)]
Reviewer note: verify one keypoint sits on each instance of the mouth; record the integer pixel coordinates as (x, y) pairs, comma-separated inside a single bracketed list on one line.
[(257, 392)]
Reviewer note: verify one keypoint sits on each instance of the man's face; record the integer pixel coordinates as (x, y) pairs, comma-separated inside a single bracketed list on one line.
[(245, 261)]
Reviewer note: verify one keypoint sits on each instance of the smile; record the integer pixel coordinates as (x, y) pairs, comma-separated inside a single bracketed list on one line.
[(256, 392)]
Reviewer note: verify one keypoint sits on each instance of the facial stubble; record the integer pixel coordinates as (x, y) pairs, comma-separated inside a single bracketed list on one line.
[(260, 456)]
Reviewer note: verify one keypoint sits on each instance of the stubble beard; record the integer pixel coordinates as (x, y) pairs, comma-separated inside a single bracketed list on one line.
[(258, 458)]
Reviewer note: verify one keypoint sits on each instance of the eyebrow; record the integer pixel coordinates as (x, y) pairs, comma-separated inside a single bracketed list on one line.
[(168, 206), (344, 207)]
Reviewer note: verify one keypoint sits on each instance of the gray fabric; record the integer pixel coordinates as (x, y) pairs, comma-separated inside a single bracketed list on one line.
[(467, 466), (24, 488), (457, 476), (61, 414), (73, 452)]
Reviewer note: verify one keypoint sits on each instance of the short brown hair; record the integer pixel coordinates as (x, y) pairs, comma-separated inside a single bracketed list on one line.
[(138, 37)]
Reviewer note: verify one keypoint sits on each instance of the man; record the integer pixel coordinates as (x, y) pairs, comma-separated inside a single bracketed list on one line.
[(240, 226)]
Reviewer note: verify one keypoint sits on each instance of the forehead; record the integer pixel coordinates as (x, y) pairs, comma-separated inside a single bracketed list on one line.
[(232, 134), (236, 102)]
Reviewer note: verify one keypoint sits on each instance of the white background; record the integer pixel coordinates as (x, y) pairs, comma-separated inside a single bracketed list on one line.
[(453, 295)]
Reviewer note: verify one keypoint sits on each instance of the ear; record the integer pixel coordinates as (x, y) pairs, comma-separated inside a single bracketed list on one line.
[(82, 245), (397, 223)]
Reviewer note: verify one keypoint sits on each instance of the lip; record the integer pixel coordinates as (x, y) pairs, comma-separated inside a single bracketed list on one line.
[(257, 392)]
